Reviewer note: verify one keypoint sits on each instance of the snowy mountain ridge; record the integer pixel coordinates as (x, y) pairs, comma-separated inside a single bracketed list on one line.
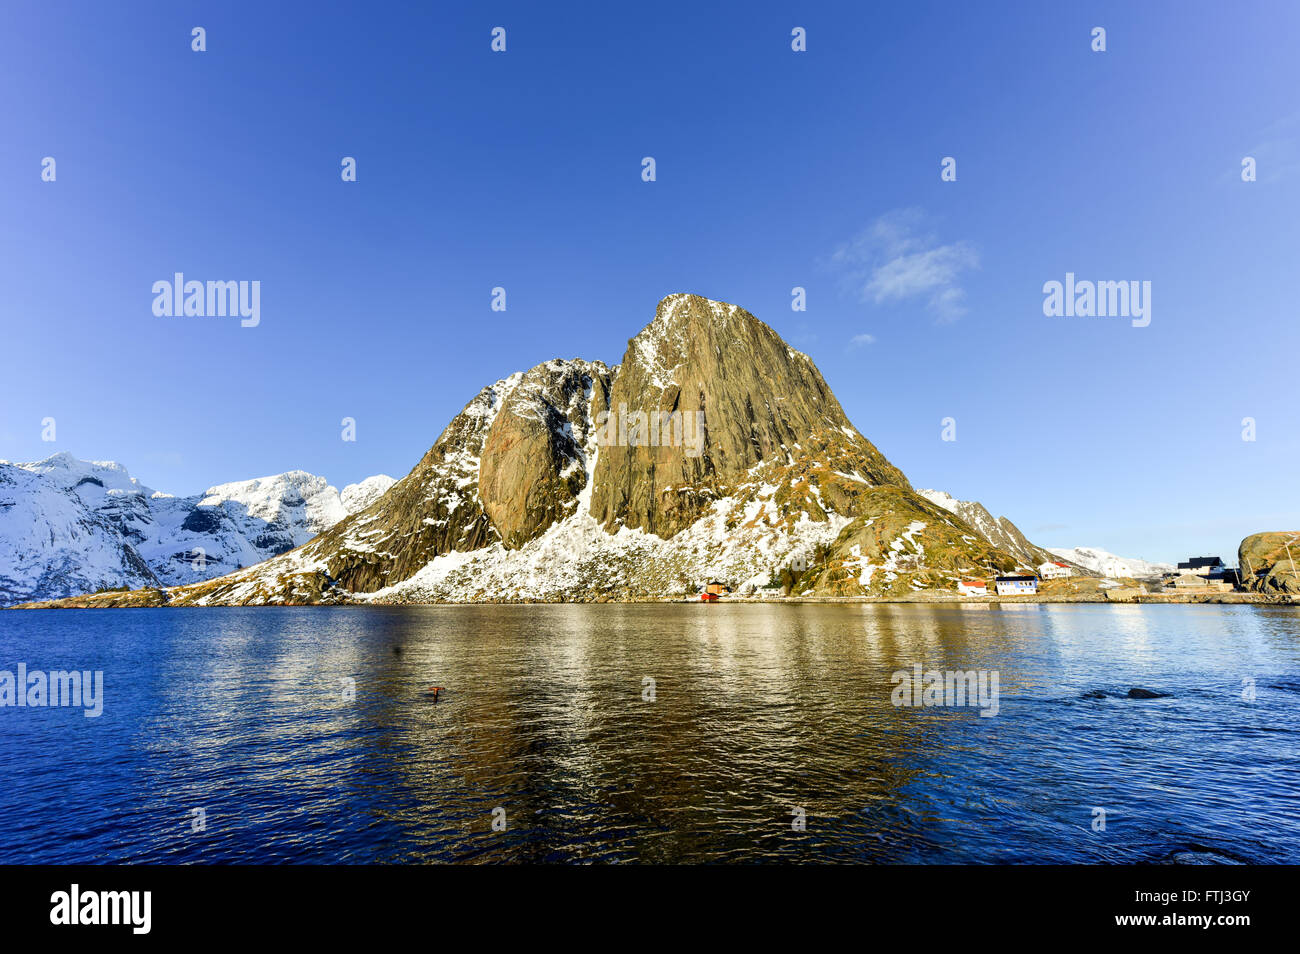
[(71, 526), (1109, 565), (998, 532)]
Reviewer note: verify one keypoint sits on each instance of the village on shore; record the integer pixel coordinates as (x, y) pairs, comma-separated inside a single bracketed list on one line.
[(1205, 579)]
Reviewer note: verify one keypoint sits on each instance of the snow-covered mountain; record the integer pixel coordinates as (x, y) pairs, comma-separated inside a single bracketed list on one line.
[(70, 526), (357, 497), (53, 545), (713, 450), (1107, 564)]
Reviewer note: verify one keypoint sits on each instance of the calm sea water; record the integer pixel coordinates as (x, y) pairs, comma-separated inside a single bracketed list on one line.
[(757, 711)]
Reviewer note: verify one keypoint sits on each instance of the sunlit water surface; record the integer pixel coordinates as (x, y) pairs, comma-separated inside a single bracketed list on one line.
[(757, 711)]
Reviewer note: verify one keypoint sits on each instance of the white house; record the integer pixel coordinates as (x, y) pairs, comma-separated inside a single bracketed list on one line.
[(972, 588), (1053, 570), (1016, 585)]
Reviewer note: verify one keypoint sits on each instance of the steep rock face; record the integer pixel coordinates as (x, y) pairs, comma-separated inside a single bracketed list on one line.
[(745, 398), (533, 462), (1266, 565)]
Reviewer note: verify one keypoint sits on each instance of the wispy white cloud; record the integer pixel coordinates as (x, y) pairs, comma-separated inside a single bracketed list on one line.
[(857, 341), (1276, 151), (896, 259)]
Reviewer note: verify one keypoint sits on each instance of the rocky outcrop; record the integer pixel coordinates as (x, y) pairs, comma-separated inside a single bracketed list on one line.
[(533, 464), (1267, 562)]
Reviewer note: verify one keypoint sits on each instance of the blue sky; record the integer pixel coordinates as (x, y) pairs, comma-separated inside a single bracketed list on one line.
[(775, 169)]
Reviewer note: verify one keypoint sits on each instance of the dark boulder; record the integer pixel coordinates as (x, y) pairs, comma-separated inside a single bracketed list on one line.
[(1139, 693)]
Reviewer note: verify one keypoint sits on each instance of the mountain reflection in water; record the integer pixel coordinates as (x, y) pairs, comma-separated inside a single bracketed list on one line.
[(654, 732)]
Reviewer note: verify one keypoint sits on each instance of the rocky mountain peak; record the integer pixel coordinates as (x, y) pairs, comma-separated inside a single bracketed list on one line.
[(705, 393), (714, 450)]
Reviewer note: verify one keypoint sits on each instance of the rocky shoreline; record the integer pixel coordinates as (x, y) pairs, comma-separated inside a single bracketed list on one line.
[(134, 600)]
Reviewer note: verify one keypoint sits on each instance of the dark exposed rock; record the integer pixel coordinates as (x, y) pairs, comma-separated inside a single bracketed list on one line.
[(1201, 855), (202, 520), (1139, 693)]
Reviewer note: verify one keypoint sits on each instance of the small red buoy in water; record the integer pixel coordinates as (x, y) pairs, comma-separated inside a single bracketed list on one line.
[(435, 690)]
